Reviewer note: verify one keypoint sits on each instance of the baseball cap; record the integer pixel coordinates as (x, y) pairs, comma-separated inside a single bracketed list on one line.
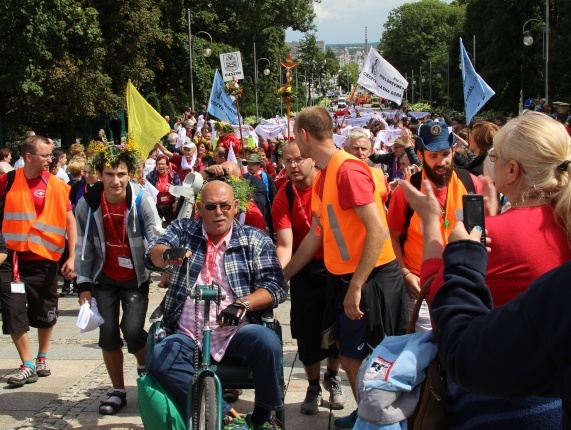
[(434, 136)]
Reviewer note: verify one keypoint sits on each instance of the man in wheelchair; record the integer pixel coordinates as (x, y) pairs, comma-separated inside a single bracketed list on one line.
[(243, 261)]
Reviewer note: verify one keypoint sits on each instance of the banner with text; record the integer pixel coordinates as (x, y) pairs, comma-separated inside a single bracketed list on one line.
[(231, 64), (220, 105), (381, 78)]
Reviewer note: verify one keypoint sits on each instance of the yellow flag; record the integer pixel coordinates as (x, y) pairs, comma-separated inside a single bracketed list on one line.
[(146, 125)]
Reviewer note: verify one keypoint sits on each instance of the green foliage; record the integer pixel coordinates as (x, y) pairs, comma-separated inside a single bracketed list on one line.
[(419, 37), (167, 107), (348, 76), (420, 107)]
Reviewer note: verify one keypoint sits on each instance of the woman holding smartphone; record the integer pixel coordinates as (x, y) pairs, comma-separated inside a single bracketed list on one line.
[(531, 157)]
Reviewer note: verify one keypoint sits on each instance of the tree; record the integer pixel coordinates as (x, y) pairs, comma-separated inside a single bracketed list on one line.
[(348, 76), (418, 35)]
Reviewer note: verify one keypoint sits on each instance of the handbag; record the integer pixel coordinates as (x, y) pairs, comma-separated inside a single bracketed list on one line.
[(430, 412)]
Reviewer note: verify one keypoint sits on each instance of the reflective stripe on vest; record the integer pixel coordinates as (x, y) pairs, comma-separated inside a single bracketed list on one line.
[(343, 232), (44, 234), (19, 216)]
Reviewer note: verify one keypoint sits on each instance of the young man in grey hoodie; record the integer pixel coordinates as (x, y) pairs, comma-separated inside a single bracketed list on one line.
[(115, 220)]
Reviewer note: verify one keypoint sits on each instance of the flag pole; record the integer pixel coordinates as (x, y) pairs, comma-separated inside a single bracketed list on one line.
[(239, 120)]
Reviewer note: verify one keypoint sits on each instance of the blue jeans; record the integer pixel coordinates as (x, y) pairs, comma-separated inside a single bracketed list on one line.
[(254, 345)]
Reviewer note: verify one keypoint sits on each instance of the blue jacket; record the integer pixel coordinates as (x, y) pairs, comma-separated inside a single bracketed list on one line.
[(250, 262), (520, 349)]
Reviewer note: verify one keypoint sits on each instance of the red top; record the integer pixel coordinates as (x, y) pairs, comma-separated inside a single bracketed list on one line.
[(354, 182), (526, 243), (298, 220), (230, 139), (163, 185), (118, 251), (255, 218)]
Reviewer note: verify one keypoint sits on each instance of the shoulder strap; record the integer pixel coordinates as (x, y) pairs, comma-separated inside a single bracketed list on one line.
[(140, 214), (289, 195), (466, 179), (416, 181), (10, 178), (267, 184)]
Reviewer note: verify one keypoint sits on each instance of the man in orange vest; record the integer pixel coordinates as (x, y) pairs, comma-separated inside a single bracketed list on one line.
[(37, 216), (347, 221), (436, 150)]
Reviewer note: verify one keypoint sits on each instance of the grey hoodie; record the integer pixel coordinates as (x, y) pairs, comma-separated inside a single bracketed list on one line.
[(90, 248)]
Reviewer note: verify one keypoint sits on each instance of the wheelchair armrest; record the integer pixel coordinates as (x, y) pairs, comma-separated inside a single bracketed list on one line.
[(267, 315)]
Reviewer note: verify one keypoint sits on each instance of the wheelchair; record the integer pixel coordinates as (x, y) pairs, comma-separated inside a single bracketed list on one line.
[(211, 379)]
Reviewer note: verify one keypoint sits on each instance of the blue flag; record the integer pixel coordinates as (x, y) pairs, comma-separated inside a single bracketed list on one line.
[(476, 91), (220, 104)]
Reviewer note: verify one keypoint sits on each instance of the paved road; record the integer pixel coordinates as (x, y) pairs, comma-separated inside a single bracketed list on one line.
[(69, 398)]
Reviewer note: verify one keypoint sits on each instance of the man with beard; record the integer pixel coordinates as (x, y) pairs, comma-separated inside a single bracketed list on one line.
[(436, 151)]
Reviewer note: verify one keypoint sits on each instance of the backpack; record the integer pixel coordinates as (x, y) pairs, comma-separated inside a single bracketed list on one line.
[(416, 180)]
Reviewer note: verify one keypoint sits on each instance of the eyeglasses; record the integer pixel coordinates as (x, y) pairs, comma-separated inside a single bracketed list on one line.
[(493, 156), (397, 146), (224, 207), (298, 161), (44, 156)]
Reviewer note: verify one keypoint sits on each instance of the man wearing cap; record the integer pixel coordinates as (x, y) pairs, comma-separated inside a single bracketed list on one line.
[(402, 145), (364, 276), (254, 163), (183, 163), (436, 150)]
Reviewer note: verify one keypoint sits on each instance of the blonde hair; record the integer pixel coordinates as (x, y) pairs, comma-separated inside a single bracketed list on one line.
[(76, 165), (540, 145)]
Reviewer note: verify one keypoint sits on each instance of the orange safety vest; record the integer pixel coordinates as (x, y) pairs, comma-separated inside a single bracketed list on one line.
[(413, 244), (343, 232), (43, 235)]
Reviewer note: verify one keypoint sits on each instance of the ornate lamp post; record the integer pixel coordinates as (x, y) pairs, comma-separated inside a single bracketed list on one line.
[(266, 73), (528, 41), (206, 53)]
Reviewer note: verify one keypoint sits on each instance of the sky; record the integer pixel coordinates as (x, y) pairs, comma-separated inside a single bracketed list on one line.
[(344, 21)]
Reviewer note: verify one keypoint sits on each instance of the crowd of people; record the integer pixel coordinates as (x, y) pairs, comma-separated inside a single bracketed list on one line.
[(351, 218)]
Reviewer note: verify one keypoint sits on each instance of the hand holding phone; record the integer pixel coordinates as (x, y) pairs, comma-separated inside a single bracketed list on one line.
[(474, 214)]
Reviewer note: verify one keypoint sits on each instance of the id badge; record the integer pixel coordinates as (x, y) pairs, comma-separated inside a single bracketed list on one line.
[(17, 287), (125, 262), (164, 199)]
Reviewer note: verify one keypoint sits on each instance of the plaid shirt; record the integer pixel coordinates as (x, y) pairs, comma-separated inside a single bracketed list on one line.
[(212, 271), (250, 263)]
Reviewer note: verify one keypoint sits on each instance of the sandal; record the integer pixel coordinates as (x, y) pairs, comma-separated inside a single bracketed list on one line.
[(108, 407)]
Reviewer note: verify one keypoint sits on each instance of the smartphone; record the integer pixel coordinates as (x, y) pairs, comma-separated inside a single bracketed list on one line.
[(474, 213)]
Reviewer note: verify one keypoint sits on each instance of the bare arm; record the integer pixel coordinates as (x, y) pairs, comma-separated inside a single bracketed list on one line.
[(164, 150), (67, 269), (285, 245), (374, 241), (307, 249)]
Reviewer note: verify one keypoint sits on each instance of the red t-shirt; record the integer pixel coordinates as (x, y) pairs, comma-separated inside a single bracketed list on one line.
[(38, 188), (255, 218), (163, 185), (354, 182), (526, 243), (298, 220), (118, 251)]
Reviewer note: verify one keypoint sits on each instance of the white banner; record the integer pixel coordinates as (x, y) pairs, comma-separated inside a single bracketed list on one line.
[(231, 64), (381, 78)]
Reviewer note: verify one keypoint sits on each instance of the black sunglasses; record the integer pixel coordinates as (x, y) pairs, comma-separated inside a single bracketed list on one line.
[(224, 207)]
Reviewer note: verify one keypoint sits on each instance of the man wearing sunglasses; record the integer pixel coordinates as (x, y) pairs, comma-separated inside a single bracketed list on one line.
[(243, 261)]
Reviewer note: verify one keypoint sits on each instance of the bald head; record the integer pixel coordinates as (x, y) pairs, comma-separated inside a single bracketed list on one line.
[(232, 168)]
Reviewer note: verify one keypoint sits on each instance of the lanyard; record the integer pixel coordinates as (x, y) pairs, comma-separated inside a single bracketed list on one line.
[(15, 271), (301, 208), (110, 222)]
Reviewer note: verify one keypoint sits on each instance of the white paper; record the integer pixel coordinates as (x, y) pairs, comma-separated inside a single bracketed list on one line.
[(89, 318)]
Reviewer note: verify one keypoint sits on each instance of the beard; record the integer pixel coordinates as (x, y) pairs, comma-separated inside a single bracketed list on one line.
[(438, 180)]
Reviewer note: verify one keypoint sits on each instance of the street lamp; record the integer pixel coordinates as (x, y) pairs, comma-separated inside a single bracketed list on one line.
[(206, 53), (266, 73), (439, 76), (528, 41)]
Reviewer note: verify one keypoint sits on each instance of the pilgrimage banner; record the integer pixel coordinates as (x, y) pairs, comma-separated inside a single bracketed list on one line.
[(381, 78), (220, 104), (476, 91)]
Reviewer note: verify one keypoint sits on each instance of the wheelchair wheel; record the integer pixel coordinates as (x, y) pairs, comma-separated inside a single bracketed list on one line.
[(206, 404)]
